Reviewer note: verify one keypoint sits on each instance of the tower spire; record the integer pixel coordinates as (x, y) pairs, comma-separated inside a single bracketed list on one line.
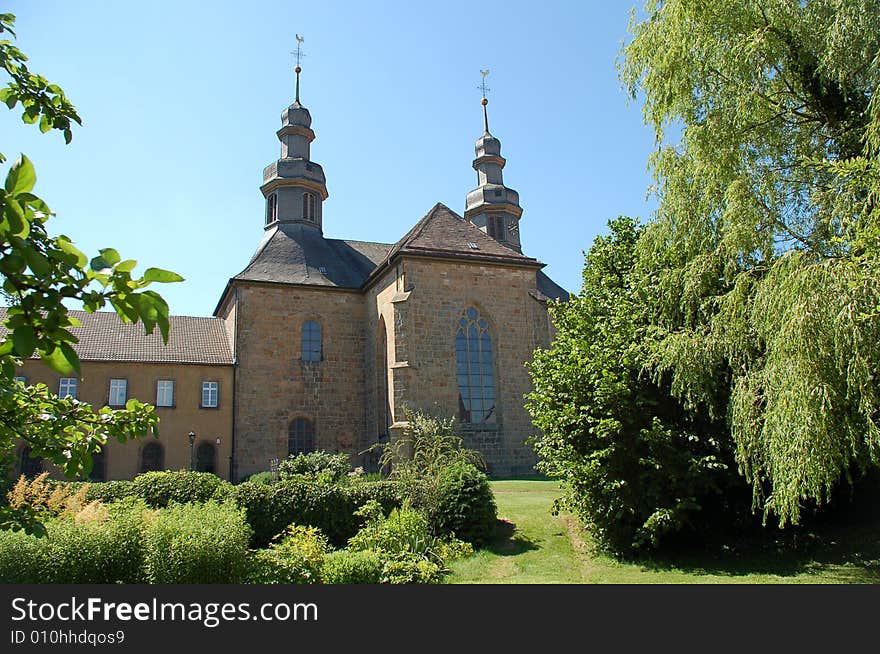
[(299, 55), (485, 89), (492, 206), (294, 186)]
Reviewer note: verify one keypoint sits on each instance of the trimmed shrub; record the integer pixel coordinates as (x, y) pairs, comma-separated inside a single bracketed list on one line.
[(465, 504), (352, 567), (98, 545), (296, 559), (23, 558), (110, 491), (159, 489), (320, 465), (296, 500), (198, 544)]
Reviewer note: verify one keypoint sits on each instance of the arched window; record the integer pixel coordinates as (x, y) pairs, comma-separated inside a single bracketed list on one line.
[(310, 207), (99, 467), (152, 457), (476, 375), (311, 341), (27, 465), (206, 457), (301, 436), (271, 208)]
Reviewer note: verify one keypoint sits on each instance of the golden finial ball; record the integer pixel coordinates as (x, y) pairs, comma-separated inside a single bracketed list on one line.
[(297, 70), (484, 102)]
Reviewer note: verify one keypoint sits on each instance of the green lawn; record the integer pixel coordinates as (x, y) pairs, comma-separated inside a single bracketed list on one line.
[(536, 547)]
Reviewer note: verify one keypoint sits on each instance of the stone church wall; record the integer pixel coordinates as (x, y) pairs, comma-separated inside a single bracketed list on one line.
[(274, 386)]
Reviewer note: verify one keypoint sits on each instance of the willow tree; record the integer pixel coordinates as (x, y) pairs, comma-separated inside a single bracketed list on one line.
[(763, 255)]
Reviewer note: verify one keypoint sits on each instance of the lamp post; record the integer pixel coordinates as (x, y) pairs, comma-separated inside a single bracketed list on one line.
[(192, 440)]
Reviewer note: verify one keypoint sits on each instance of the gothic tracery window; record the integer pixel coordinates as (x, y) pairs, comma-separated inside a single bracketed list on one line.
[(476, 374)]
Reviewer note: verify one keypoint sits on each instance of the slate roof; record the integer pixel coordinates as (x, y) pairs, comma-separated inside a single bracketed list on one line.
[(297, 254), (104, 337), (293, 253)]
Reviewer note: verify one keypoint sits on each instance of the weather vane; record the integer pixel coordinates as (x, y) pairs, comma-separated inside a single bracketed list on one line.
[(299, 55), (484, 90)]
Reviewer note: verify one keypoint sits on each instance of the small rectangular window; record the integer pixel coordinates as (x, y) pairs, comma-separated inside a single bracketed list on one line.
[(21, 380), (118, 392), (210, 394), (67, 387), (165, 392), (473, 246)]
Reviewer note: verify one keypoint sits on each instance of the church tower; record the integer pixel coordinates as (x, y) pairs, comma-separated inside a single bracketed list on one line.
[(493, 207), (294, 186)]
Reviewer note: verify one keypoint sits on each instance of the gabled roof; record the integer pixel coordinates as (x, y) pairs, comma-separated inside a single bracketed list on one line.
[(444, 232), (297, 254), (104, 337)]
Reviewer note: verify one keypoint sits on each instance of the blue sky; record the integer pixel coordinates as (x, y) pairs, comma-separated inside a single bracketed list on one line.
[(181, 100)]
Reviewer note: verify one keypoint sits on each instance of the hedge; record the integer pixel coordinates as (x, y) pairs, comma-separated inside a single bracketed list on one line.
[(197, 544), (329, 507)]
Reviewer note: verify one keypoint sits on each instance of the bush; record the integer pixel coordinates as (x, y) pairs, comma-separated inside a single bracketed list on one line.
[(159, 489), (265, 477), (320, 465), (98, 545), (110, 491), (331, 508), (296, 559), (198, 544), (352, 567), (403, 542), (465, 506)]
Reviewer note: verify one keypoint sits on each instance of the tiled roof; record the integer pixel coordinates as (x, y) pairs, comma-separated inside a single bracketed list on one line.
[(444, 232), (104, 337)]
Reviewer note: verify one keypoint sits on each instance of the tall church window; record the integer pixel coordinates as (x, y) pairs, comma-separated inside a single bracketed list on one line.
[(476, 374), (311, 341), (152, 457), (271, 208), (301, 436), (310, 207)]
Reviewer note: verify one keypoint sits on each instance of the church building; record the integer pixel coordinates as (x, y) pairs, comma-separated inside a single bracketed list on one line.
[(322, 343)]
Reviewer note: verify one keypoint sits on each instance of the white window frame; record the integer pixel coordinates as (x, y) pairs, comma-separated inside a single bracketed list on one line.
[(65, 384), (165, 393), (117, 385), (210, 387)]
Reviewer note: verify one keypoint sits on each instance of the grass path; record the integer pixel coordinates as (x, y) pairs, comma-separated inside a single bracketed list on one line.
[(536, 547)]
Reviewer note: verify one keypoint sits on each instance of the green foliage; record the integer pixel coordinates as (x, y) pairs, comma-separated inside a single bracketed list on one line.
[(352, 567), (110, 491), (296, 557), (465, 505), (329, 507), (320, 465), (266, 477), (403, 542), (95, 546), (763, 260), (161, 488), (197, 544), (419, 463), (636, 465), (39, 272)]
